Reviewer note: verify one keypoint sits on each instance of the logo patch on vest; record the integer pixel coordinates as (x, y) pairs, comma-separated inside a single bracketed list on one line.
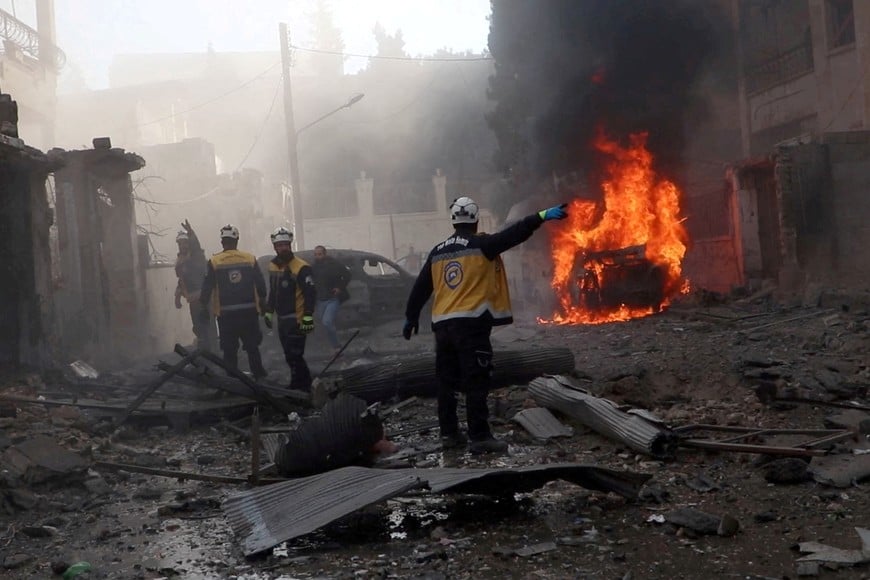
[(235, 276), (453, 274)]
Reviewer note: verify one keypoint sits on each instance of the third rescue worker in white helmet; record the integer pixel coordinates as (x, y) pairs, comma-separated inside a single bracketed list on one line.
[(467, 277), (292, 298), (235, 285)]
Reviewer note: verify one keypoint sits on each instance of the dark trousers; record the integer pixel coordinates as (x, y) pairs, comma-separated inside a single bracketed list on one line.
[(463, 363), (293, 343), (202, 329), (244, 326)]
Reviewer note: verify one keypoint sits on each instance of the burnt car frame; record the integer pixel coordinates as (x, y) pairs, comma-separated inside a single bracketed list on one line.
[(614, 278), (378, 288)]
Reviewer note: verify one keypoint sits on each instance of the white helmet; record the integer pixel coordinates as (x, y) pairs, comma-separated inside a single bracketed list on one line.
[(230, 231), (181, 235), (464, 210), (282, 234)]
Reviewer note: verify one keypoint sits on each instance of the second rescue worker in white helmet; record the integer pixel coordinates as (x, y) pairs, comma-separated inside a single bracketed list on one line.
[(466, 274), (292, 298), (236, 287)]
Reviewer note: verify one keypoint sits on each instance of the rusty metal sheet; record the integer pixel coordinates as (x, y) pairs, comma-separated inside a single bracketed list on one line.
[(265, 517), (542, 424)]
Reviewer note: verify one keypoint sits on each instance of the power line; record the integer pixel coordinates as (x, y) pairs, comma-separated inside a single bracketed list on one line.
[(263, 126), (379, 57), (204, 103)]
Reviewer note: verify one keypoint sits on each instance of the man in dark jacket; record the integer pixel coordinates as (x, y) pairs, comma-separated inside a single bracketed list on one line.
[(330, 279), (237, 289), (466, 274), (291, 300), (190, 268)]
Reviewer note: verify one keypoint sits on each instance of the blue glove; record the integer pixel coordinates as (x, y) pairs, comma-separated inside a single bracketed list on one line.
[(307, 324), (554, 213), (410, 325)]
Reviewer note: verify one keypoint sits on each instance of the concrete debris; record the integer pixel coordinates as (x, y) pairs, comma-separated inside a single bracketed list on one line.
[(41, 460), (819, 552), (83, 370), (527, 551), (695, 520), (843, 470), (787, 471)]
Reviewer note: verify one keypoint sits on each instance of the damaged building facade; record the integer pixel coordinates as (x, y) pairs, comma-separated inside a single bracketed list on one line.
[(25, 219), (799, 198)]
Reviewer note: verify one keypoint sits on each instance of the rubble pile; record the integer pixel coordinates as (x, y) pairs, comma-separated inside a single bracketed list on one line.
[(765, 412)]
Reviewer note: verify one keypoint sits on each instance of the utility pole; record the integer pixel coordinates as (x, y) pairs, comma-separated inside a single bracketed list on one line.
[(295, 184)]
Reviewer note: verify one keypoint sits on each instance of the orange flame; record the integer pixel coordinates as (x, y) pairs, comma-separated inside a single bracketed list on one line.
[(639, 209)]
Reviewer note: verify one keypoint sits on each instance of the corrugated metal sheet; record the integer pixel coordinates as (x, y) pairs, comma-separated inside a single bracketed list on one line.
[(267, 516), (603, 416), (271, 443), (343, 434), (499, 481), (409, 376), (541, 423)]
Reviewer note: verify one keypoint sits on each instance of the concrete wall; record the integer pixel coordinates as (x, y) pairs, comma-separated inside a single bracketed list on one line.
[(849, 155), (833, 96)]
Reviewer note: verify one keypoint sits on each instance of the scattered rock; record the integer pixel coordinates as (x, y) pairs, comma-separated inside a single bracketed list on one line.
[(787, 471), (97, 486), (205, 459), (765, 517), (39, 531), (807, 569), (148, 493), (16, 561), (695, 520), (728, 526)]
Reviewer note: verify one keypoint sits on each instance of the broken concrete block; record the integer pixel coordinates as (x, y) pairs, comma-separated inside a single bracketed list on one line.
[(807, 569), (41, 460), (787, 471), (695, 520), (728, 526), (830, 554)]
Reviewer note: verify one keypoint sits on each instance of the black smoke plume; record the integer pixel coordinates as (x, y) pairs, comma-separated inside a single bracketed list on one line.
[(565, 68)]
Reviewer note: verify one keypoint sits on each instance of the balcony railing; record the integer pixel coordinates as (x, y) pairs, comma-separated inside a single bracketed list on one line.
[(26, 39), (780, 69)]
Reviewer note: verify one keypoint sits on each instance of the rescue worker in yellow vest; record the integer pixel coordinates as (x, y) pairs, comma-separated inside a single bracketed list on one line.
[(237, 290), (466, 274), (292, 298)]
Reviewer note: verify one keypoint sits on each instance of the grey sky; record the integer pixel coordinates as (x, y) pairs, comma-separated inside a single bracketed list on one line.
[(92, 31)]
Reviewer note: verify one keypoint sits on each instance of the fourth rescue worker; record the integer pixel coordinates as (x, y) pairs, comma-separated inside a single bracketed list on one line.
[(466, 274), (292, 298), (235, 284)]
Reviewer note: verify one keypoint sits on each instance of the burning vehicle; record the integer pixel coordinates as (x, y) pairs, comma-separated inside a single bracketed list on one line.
[(612, 278), (620, 257)]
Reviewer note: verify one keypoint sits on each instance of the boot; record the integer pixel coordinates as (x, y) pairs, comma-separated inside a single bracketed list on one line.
[(453, 440), (491, 445)]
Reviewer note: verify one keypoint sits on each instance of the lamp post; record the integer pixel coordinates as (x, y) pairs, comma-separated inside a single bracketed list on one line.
[(293, 133)]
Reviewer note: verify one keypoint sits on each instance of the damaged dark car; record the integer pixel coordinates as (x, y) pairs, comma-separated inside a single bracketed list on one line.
[(378, 287)]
